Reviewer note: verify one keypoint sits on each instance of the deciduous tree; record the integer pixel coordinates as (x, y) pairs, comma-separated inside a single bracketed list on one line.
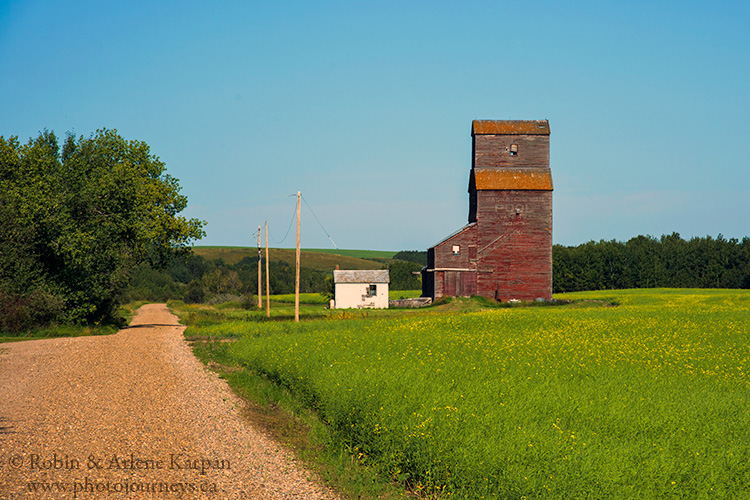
[(76, 220)]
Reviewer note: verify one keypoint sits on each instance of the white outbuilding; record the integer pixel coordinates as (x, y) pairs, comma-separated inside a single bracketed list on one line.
[(361, 289)]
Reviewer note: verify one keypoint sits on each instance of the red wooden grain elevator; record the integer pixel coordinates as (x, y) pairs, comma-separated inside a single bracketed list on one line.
[(505, 251)]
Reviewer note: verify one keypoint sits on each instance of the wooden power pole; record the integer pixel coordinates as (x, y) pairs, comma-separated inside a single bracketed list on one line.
[(260, 287), (296, 285), (268, 279)]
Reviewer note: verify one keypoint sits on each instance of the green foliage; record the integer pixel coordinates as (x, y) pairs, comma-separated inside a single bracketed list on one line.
[(212, 272), (19, 313), (647, 262), (418, 257), (402, 275), (643, 400), (74, 222), (152, 285), (197, 280)]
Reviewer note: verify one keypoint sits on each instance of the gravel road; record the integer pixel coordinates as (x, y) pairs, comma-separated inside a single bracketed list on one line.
[(132, 415)]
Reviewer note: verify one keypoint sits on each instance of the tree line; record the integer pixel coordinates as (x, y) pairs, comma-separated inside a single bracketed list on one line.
[(196, 279), (648, 262)]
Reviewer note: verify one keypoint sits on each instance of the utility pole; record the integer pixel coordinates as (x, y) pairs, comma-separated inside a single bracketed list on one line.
[(268, 279), (296, 286), (260, 288)]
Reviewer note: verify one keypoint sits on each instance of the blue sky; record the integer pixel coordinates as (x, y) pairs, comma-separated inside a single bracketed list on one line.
[(366, 107)]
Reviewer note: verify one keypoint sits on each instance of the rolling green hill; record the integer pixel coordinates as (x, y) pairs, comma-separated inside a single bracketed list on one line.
[(323, 260), (360, 254)]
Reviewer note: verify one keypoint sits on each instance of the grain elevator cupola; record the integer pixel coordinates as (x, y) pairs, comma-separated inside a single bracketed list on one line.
[(505, 251)]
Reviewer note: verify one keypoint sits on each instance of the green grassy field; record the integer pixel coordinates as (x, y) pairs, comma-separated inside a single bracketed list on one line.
[(323, 260), (644, 400)]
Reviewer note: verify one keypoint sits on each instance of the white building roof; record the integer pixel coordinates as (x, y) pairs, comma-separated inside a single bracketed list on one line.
[(366, 276)]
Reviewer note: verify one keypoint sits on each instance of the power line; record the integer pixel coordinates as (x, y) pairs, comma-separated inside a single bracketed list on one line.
[(291, 222), (321, 224)]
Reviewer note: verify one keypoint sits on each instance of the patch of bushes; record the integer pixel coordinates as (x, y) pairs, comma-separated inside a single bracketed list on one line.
[(21, 313)]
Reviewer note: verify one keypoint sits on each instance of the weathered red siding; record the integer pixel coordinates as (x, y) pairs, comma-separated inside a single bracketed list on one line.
[(509, 238), (514, 242), (495, 151)]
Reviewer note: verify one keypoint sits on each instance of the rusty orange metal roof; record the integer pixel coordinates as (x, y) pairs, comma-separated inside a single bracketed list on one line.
[(522, 180), (510, 127)]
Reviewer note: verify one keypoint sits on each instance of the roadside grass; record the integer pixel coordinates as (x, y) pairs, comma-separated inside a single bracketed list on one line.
[(127, 311), (643, 400), (61, 331), (274, 408), (280, 413)]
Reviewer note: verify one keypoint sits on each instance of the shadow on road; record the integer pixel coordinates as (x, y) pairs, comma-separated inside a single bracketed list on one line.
[(150, 325)]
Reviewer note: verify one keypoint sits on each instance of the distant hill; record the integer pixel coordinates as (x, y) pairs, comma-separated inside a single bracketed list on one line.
[(360, 254), (322, 260)]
